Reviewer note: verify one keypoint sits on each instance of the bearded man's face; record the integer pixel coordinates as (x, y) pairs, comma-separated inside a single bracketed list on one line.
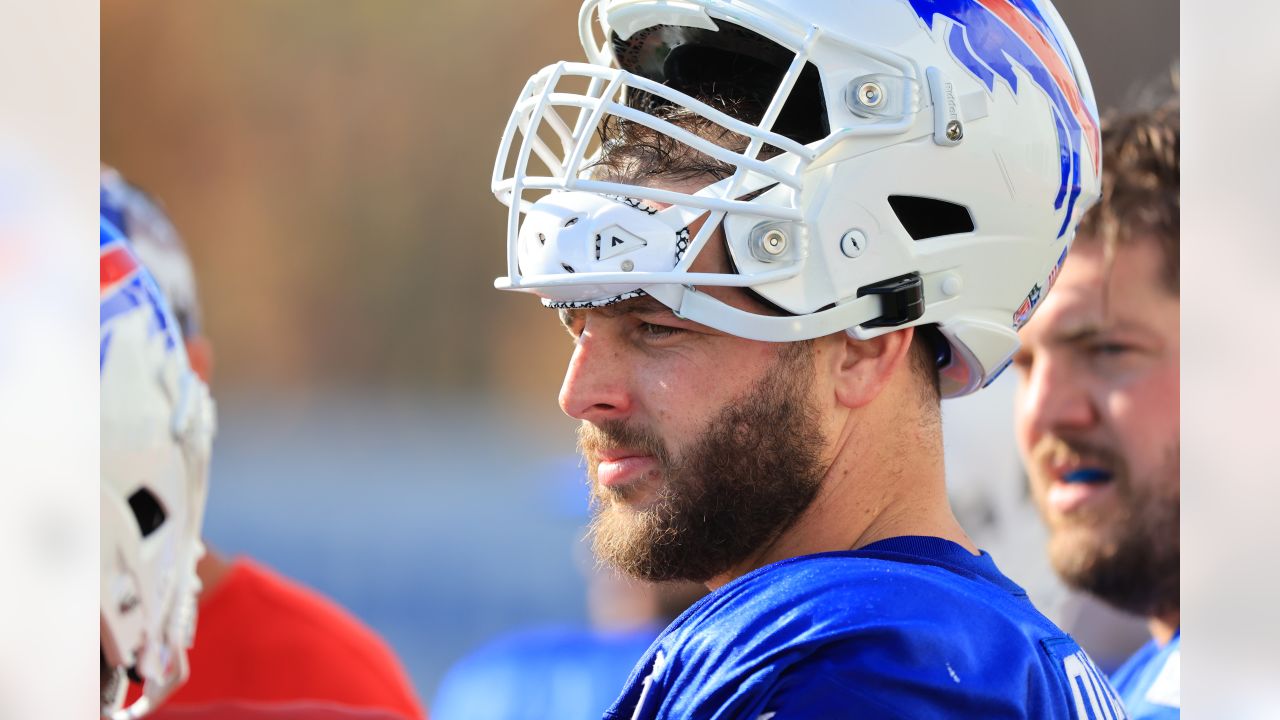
[(1098, 424), (711, 503)]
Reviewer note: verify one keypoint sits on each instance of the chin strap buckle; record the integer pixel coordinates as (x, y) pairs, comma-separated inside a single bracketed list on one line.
[(902, 300)]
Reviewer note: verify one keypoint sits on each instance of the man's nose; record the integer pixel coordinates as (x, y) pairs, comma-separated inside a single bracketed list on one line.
[(596, 383), (1054, 398)]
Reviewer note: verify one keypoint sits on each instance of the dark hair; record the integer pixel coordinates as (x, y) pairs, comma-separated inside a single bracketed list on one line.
[(633, 152), (1140, 186)]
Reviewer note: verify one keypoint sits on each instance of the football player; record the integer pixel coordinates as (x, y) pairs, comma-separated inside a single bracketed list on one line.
[(777, 233), (259, 640), (157, 427), (1097, 413)]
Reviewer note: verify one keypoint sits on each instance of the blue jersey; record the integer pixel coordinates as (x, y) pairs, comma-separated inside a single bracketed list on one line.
[(910, 627), (1149, 681)]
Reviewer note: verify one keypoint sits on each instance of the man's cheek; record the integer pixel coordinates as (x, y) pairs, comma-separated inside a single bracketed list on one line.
[(1147, 423)]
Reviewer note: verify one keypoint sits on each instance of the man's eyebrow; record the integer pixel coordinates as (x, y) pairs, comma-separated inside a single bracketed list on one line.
[(1079, 334), (644, 304), (1093, 329)]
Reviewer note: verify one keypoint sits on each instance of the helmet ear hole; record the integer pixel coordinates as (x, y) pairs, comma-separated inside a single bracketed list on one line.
[(925, 218), (147, 510)]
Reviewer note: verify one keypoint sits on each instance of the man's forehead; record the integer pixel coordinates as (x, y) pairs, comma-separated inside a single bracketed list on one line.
[(1091, 297), (1134, 256)]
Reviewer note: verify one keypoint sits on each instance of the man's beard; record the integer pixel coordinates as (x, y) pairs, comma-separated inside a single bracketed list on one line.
[(1129, 558), (743, 482)]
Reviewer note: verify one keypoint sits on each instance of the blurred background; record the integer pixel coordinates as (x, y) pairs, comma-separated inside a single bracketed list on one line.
[(389, 429)]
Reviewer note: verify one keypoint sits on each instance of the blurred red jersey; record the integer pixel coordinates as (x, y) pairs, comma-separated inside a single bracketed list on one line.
[(262, 639)]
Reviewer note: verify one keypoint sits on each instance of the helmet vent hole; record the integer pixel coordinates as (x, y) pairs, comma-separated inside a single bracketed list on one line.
[(572, 221), (925, 218), (567, 268), (731, 62), (147, 511)]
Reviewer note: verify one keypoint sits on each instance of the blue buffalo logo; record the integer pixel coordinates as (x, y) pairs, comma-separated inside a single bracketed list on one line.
[(124, 286), (987, 37)]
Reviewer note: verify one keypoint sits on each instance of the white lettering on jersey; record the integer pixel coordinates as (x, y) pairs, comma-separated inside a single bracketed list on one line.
[(659, 663), (1165, 688), (1091, 692)]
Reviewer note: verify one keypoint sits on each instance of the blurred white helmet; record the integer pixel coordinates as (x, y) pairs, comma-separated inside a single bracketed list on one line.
[(929, 162), (157, 428)]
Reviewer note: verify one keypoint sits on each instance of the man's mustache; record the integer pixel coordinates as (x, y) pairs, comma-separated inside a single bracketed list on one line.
[(1055, 450), (596, 438)]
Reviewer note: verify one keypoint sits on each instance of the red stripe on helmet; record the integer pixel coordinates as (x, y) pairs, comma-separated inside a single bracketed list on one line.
[(1056, 66), (117, 264)]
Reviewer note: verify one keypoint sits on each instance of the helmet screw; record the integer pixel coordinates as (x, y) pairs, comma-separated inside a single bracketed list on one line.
[(954, 131), (853, 243), (628, 266), (774, 242), (871, 94), (952, 285)]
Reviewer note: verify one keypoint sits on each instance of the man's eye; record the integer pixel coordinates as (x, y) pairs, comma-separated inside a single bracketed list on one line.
[(651, 330), (572, 321), (1109, 349)]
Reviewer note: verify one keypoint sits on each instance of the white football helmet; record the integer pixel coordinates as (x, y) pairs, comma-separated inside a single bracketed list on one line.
[(933, 158), (157, 428)]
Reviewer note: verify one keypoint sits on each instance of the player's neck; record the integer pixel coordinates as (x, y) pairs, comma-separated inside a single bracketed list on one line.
[(933, 520), (901, 478), (870, 493), (1164, 626)]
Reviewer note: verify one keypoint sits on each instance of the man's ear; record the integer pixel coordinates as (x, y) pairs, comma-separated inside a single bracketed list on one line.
[(865, 367)]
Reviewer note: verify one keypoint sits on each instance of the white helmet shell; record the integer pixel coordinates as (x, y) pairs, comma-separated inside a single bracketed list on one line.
[(157, 428), (949, 151)]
